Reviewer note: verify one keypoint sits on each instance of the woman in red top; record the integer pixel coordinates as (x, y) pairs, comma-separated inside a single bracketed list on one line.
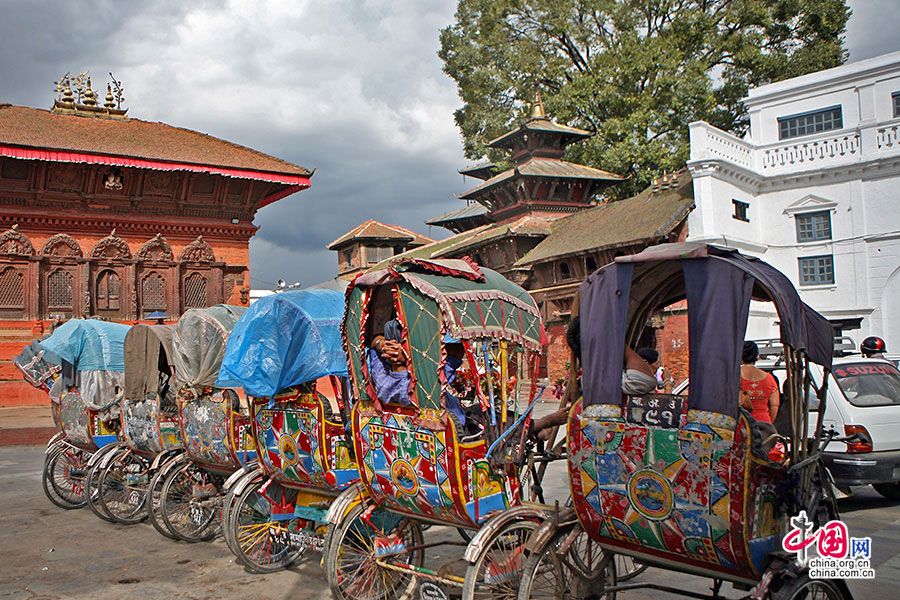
[(759, 391)]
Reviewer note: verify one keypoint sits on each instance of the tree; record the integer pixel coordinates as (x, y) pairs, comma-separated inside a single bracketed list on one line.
[(636, 72)]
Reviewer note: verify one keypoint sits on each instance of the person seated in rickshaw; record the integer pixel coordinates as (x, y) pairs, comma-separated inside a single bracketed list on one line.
[(638, 379), (387, 365)]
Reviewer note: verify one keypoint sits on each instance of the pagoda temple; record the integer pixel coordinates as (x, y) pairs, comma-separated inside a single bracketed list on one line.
[(544, 225), (103, 215)]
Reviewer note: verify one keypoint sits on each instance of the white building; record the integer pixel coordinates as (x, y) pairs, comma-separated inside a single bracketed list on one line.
[(814, 189)]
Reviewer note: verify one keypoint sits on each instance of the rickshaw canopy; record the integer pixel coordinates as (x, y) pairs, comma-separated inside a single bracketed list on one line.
[(199, 343), (718, 284), (89, 344), (285, 339), (144, 346)]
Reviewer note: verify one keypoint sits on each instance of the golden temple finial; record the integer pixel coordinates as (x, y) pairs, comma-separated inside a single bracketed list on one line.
[(75, 95), (90, 98), (112, 233), (15, 227), (110, 101), (537, 107)]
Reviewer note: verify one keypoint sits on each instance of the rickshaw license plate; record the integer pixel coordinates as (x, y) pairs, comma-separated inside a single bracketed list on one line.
[(432, 591)]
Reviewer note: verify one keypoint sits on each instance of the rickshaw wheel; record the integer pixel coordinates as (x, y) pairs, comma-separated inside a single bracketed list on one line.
[(190, 503), (584, 571), (805, 588), (63, 477), (92, 484), (228, 510), (155, 497), (350, 559), (498, 568), (123, 488), (628, 568), (263, 544)]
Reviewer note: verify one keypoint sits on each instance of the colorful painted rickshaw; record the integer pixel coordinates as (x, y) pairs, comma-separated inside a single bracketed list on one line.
[(277, 351), (149, 427), (41, 369), (447, 446), (84, 399), (215, 425), (686, 482)]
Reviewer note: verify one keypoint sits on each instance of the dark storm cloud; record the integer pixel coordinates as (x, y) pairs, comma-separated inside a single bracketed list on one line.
[(352, 88)]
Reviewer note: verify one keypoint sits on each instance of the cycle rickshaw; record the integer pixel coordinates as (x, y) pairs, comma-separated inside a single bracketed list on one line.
[(417, 465), (84, 402), (285, 352), (215, 426), (149, 425), (687, 483)]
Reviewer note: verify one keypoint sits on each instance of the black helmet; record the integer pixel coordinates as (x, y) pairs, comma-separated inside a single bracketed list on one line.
[(872, 344)]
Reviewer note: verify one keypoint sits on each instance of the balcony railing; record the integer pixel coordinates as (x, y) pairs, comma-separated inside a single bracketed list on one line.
[(820, 151)]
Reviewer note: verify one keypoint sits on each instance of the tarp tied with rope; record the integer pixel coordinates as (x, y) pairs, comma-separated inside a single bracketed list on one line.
[(199, 343), (285, 339)]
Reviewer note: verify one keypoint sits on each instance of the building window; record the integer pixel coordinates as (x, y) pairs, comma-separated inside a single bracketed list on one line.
[(109, 291), (153, 292), (195, 291), (740, 210), (347, 257), (376, 254), (895, 99), (591, 264), (564, 272), (816, 270), (812, 227), (825, 119), (59, 289), (11, 289)]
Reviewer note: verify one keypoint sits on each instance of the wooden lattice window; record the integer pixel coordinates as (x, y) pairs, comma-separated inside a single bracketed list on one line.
[(59, 289), (109, 291), (11, 289), (195, 291), (153, 292)]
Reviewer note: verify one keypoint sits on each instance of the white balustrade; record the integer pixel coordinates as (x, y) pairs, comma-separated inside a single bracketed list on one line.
[(821, 151)]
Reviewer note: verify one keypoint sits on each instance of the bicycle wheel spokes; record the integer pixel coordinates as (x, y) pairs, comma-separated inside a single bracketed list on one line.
[(123, 488), (262, 543), (64, 474), (190, 503)]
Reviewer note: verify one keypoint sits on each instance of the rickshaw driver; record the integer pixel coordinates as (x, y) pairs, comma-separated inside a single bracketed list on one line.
[(638, 379)]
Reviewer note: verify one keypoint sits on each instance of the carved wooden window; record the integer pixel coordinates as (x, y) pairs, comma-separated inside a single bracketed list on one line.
[(109, 291), (153, 292), (59, 289), (195, 291), (11, 289)]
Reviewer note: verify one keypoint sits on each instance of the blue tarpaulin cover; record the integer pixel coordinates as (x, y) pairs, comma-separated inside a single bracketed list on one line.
[(89, 344), (285, 339)]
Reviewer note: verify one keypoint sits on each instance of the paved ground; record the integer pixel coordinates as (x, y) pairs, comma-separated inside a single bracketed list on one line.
[(50, 553)]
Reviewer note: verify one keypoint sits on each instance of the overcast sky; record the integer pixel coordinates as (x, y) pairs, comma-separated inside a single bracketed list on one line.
[(352, 88)]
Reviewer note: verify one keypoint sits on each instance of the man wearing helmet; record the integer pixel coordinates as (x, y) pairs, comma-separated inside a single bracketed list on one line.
[(873, 347)]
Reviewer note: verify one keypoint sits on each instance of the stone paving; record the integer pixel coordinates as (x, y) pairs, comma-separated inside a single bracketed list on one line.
[(50, 553)]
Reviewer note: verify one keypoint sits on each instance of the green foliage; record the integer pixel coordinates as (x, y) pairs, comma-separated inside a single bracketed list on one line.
[(636, 72)]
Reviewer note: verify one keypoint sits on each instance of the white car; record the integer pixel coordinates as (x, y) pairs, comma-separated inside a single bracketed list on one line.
[(863, 399)]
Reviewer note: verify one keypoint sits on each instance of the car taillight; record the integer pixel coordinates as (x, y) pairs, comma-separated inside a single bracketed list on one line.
[(863, 442)]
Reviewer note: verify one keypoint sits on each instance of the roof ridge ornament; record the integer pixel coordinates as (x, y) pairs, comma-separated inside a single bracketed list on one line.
[(84, 100), (537, 107)]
